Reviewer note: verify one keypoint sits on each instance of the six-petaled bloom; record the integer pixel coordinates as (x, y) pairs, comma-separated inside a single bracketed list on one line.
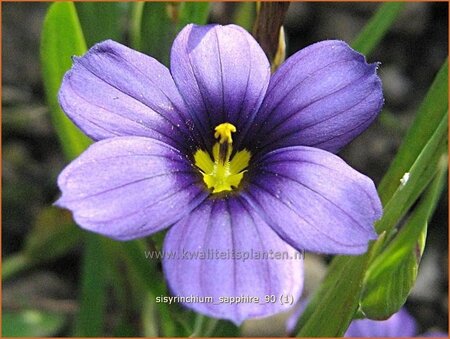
[(231, 157)]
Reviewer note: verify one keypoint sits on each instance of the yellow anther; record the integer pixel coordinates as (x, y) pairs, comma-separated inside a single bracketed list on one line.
[(223, 131), (220, 173)]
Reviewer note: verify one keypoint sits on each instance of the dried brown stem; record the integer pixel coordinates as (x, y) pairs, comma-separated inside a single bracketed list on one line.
[(266, 29)]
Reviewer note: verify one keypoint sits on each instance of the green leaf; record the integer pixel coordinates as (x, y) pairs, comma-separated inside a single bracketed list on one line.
[(152, 29), (149, 317), (377, 27), (143, 268), (393, 273), (332, 307), (429, 115), (100, 20), (193, 13), (154, 25), (62, 38), (135, 255), (123, 289), (419, 176), (245, 15), (90, 318), (31, 323)]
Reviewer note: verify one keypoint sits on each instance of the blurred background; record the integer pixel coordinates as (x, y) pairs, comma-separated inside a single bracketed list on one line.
[(47, 288)]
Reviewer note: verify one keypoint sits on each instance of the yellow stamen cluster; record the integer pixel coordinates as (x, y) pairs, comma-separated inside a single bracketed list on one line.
[(223, 132), (220, 173)]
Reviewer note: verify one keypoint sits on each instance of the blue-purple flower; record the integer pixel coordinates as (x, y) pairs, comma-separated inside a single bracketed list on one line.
[(231, 157), (399, 325)]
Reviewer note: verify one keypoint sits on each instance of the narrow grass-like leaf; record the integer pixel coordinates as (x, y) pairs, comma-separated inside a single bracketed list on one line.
[(192, 13), (171, 321), (429, 115), (377, 27), (154, 25), (146, 270), (152, 29), (100, 20), (332, 307), (89, 322), (135, 254), (149, 317), (393, 273), (123, 289), (245, 15), (61, 39), (419, 176)]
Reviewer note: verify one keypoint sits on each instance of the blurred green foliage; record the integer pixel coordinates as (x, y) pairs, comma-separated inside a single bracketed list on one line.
[(31, 323)]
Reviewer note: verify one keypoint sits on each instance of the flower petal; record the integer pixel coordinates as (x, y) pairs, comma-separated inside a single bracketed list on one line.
[(129, 187), (399, 325), (115, 91), (323, 96), (220, 229), (314, 200), (222, 74)]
